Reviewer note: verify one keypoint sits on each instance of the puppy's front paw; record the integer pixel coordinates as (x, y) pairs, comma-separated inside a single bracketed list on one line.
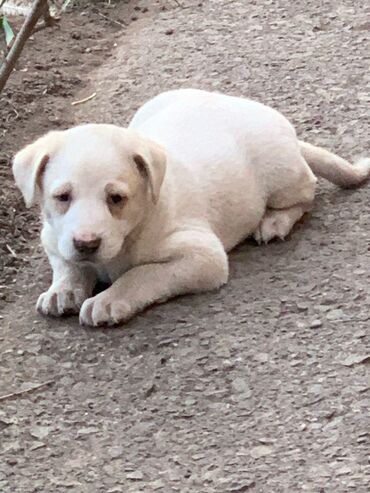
[(61, 300), (102, 310)]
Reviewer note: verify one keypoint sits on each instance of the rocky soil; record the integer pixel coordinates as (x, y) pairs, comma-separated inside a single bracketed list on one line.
[(263, 387)]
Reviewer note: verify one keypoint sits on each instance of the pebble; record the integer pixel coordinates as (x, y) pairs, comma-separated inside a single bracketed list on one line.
[(335, 314), (115, 452), (135, 475), (260, 451), (40, 432)]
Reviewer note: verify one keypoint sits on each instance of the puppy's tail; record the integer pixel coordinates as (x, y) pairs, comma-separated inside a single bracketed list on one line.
[(334, 168)]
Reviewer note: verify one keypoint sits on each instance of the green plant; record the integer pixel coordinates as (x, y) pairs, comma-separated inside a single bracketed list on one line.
[(5, 26), (39, 9)]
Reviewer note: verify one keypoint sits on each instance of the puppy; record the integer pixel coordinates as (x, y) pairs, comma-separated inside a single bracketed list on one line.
[(154, 208)]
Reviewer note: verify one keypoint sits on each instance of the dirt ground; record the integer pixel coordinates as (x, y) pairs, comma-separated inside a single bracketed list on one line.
[(263, 387)]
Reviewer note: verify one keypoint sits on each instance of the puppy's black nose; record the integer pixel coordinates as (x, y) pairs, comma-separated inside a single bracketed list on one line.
[(87, 246)]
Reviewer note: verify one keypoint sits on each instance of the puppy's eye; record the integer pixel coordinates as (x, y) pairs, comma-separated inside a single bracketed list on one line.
[(63, 197), (116, 199)]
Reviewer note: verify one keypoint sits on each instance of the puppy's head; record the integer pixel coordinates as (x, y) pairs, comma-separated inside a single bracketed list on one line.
[(95, 183)]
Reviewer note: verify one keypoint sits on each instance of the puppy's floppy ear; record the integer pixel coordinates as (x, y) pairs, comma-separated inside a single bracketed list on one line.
[(151, 164), (29, 165)]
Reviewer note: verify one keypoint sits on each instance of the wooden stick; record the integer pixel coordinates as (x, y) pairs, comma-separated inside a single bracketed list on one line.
[(13, 395), (38, 9), (92, 96)]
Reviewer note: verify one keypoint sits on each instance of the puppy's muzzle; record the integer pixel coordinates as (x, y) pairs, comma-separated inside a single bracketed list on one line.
[(87, 245)]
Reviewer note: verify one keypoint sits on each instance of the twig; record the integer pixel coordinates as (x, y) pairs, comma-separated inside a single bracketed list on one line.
[(74, 103), (12, 252), (38, 9), (121, 24), (13, 395)]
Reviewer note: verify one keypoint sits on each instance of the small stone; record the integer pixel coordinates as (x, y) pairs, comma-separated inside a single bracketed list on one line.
[(335, 314), (356, 359), (44, 360), (37, 445), (115, 452), (243, 487), (87, 430), (260, 451), (4, 424), (157, 484), (170, 31), (240, 385), (344, 470), (173, 475), (302, 307), (67, 365), (266, 440), (321, 471), (198, 456), (362, 440), (190, 401), (262, 357), (359, 334), (40, 432), (135, 475), (316, 388), (315, 324), (316, 426), (150, 390), (295, 362), (227, 364), (364, 433)]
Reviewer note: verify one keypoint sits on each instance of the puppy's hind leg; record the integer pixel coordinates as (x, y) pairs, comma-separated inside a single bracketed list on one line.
[(277, 223), (288, 203)]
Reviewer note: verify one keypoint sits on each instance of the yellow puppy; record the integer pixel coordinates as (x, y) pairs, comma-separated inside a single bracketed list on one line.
[(154, 208)]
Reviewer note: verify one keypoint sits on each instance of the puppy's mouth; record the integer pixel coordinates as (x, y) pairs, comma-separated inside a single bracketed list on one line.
[(87, 258), (91, 258)]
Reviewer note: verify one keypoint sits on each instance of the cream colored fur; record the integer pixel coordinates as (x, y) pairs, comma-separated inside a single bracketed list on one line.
[(198, 172)]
